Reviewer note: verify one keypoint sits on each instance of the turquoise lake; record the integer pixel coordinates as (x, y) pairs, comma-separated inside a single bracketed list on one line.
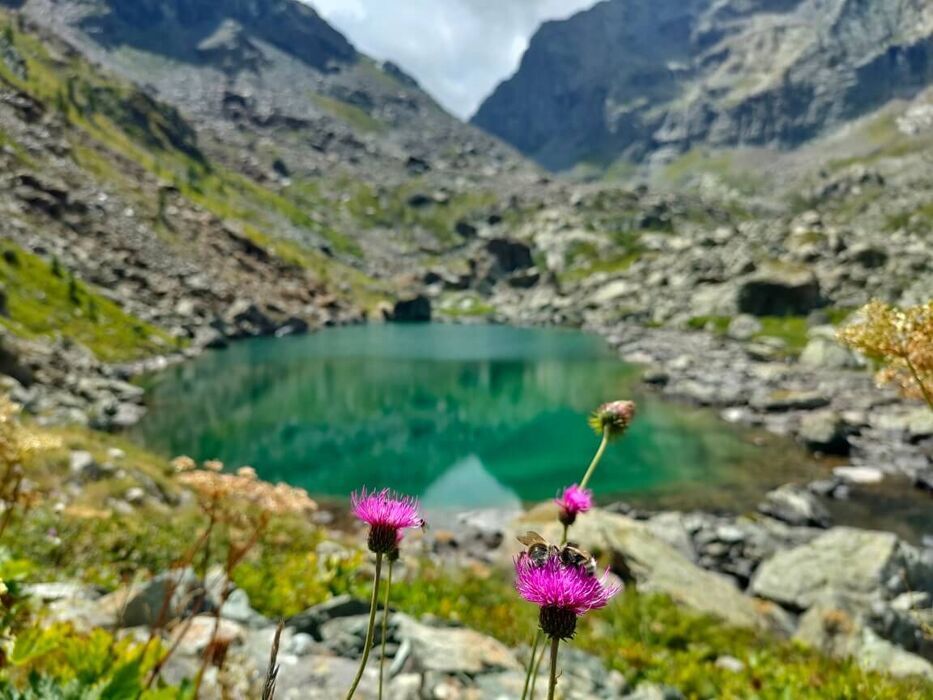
[(460, 415)]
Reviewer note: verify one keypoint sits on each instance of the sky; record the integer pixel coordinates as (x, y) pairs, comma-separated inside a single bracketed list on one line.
[(458, 50)]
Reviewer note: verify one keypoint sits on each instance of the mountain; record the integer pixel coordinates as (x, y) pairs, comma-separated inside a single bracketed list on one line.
[(640, 80)]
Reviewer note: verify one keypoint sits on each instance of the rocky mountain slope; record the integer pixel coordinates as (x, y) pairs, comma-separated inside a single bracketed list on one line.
[(169, 196), (638, 80)]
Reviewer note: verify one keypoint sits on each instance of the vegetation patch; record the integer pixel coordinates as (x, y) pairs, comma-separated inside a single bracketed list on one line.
[(354, 116), (46, 300)]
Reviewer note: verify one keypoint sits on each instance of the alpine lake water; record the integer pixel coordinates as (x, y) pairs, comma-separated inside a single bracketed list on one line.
[(463, 416)]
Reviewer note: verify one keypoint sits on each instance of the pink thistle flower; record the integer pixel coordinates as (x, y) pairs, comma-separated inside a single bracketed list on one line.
[(613, 418), (572, 502), (563, 592), (387, 514)]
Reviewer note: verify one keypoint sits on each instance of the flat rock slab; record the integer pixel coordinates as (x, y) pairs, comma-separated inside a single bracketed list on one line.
[(454, 650), (843, 559)]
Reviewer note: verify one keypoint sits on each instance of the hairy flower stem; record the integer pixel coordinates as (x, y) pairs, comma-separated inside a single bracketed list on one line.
[(371, 629), (596, 458), (552, 685), (385, 625), (923, 389), (531, 664), (534, 674)]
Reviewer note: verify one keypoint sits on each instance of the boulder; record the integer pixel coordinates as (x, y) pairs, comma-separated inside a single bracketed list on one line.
[(414, 310), (789, 400), (838, 625), (310, 621), (453, 650), (847, 560), (637, 554), (510, 255), (779, 290), (795, 505), (826, 432), (613, 291), (166, 597), (194, 637), (822, 350), (744, 327)]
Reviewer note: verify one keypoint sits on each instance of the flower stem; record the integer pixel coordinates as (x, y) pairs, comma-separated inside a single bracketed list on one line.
[(552, 686), (370, 630), (534, 674), (385, 625), (563, 539), (596, 458), (923, 389), (531, 663)]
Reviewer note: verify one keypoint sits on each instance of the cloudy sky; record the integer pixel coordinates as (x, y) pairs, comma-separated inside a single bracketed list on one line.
[(458, 50)]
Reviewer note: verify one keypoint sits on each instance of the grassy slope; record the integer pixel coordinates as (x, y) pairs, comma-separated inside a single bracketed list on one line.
[(112, 123), (44, 299)]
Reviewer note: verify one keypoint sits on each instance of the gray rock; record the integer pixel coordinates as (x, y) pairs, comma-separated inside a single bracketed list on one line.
[(654, 691), (509, 255), (655, 565), (310, 621), (414, 310), (166, 597), (779, 290), (838, 625), (795, 505), (826, 432), (743, 327), (452, 650), (789, 400), (857, 562), (826, 353)]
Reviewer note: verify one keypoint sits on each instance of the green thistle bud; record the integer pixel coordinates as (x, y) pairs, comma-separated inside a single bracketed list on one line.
[(613, 418)]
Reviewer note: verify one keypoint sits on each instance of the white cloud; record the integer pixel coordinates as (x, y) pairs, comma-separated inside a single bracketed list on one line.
[(458, 50)]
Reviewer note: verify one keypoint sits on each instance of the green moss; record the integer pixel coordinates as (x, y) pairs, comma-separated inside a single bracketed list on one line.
[(45, 300), (465, 306), (352, 115), (390, 208), (793, 330), (718, 324)]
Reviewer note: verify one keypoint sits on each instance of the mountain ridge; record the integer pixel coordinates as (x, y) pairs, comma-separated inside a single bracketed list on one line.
[(640, 80)]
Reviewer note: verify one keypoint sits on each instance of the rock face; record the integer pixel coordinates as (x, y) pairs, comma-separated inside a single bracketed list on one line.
[(632, 78), (855, 562)]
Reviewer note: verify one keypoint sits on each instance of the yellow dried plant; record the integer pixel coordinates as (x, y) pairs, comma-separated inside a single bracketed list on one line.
[(900, 341)]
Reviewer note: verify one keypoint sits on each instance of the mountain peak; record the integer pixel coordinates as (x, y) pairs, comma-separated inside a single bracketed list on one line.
[(631, 79)]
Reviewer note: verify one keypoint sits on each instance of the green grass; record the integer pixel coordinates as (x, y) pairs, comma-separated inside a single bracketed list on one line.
[(719, 324), (793, 330), (353, 116), (454, 307), (45, 300), (389, 208)]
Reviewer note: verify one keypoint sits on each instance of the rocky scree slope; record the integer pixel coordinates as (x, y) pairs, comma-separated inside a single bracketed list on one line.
[(120, 239), (278, 95), (637, 80)]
